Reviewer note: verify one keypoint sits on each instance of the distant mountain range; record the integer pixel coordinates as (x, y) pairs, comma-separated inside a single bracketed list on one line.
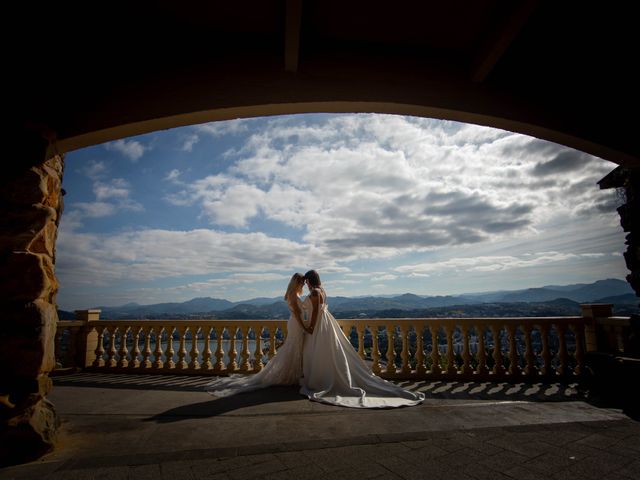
[(550, 300)]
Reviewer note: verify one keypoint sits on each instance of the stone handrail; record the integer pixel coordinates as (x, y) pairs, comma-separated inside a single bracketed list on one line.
[(396, 347)]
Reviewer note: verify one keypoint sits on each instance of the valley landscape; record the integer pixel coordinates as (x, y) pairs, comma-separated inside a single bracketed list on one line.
[(553, 300)]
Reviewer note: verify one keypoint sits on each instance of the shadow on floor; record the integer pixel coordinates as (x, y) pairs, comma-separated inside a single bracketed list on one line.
[(218, 406)]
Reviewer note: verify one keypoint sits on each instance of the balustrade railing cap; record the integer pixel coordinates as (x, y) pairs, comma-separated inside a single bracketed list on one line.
[(90, 314)]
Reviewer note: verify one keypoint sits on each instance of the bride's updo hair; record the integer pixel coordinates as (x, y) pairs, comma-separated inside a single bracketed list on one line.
[(313, 277), (294, 284)]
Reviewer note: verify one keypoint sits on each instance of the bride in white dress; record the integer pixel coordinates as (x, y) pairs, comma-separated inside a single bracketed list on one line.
[(334, 373), (285, 368)]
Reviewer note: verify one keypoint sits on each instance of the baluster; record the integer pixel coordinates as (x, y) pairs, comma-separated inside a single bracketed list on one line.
[(220, 366), (391, 367), (404, 335), (482, 352), (529, 355), (194, 353), (498, 367), (157, 354), (421, 369), (466, 354), (562, 350), (135, 352), (272, 342), (72, 349), (146, 354), (181, 364), (99, 361), (436, 369), (546, 352), (233, 365), (111, 354), (257, 363), (245, 353), (375, 352), (578, 331), (123, 352), (514, 368), (169, 364), (206, 352), (360, 331), (452, 368)]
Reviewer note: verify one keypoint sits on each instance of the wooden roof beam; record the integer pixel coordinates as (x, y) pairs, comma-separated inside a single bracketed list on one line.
[(292, 35), (498, 41)]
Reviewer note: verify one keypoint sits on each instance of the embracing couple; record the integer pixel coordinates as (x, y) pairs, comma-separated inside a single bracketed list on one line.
[(319, 357)]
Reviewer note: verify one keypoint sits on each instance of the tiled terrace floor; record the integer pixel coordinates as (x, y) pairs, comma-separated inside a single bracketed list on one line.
[(134, 426)]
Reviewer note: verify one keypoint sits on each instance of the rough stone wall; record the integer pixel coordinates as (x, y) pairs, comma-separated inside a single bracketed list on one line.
[(630, 221), (30, 208)]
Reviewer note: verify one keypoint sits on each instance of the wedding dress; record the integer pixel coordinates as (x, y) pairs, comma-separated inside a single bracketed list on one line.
[(285, 368), (334, 373)]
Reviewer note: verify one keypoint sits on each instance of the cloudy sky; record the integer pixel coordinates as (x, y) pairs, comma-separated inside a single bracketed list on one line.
[(378, 204)]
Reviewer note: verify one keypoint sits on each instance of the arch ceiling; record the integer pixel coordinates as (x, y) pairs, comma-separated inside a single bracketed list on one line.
[(563, 71)]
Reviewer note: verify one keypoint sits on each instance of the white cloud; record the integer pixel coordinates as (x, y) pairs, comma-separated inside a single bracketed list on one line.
[(158, 254), (117, 188), (229, 127), (492, 263), (94, 209), (366, 186), (111, 196), (94, 170), (189, 141), (384, 278), (173, 175), (132, 149)]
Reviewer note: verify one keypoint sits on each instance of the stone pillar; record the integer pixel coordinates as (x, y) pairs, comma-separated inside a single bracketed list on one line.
[(88, 339), (30, 208), (629, 181), (591, 312)]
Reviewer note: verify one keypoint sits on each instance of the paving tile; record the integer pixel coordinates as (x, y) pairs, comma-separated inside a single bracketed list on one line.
[(302, 472), (631, 469), (623, 429), (522, 473), (631, 442), (362, 472), (462, 458), (401, 468), (560, 435), (503, 461), (599, 440), (144, 472), (474, 443), (257, 470), (423, 455), (617, 476), (526, 446), (329, 460), (481, 472), (550, 463), (598, 466), (293, 459), (173, 470)]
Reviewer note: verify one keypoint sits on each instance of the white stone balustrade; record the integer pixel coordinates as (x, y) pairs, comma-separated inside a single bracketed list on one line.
[(405, 348)]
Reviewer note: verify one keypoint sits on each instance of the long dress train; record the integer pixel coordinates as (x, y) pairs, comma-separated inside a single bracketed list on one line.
[(285, 368), (334, 373)]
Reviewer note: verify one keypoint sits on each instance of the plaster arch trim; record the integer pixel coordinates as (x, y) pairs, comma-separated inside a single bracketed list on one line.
[(62, 146)]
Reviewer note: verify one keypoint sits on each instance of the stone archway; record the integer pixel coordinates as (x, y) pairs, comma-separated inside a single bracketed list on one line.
[(33, 202)]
